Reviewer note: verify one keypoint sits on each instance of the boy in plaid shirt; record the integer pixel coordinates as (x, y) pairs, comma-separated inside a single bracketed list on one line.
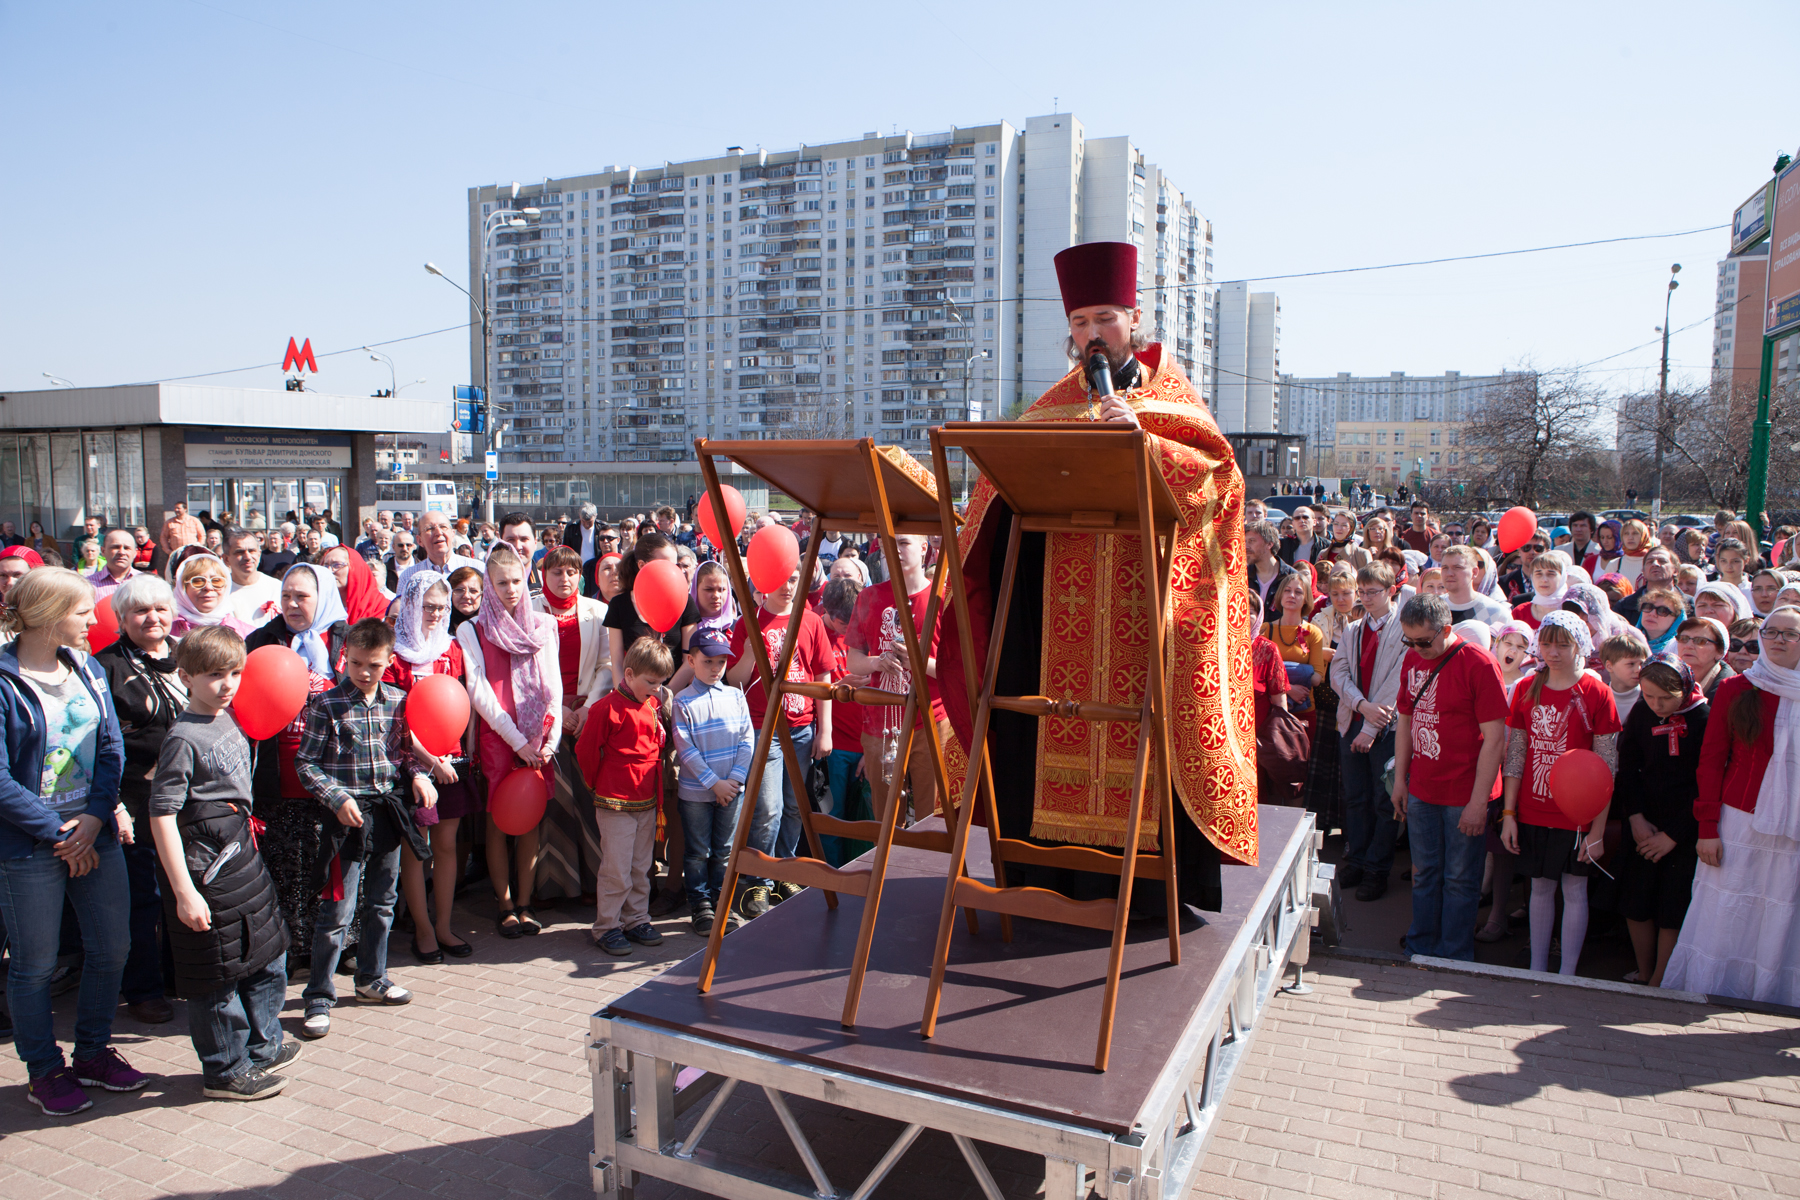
[(355, 756), (620, 755)]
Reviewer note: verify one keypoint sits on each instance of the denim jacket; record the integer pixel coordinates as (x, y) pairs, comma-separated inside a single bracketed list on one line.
[(25, 820)]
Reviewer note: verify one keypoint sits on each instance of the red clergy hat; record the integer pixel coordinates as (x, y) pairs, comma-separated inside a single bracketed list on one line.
[(1097, 273)]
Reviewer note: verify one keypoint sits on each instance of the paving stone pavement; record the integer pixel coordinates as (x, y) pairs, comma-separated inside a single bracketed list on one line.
[(1387, 1081)]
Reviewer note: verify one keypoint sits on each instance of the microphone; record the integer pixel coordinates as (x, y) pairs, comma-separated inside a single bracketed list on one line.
[(1099, 371)]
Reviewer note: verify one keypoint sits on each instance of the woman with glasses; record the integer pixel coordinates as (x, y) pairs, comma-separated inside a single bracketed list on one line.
[(1741, 652), (1741, 937), (1702, 643), (201, 586), (1659, 612)]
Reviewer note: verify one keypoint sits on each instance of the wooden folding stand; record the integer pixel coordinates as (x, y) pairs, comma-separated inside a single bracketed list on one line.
[(851, 487), (1077, 477)]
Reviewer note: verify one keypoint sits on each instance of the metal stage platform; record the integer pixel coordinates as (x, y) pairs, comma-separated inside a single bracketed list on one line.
[(1010, 1064)]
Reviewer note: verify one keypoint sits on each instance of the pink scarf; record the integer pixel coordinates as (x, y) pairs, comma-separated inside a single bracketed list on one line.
[(522, 633)]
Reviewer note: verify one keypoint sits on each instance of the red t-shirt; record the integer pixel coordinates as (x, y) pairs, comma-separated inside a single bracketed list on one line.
[(813, 657), (1561, 721), (1522, 612), (1268, 675), (846, 717), (1446, 738), (875, 629)]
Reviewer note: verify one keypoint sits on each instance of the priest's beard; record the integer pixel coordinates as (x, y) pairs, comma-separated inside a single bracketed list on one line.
[(1116, 358)]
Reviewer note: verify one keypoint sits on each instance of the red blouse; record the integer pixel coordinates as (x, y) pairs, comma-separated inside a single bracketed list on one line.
[(1731, 772)]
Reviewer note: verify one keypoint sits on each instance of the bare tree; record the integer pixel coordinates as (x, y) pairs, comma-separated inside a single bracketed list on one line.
[(1537, 438), (1706, 444)]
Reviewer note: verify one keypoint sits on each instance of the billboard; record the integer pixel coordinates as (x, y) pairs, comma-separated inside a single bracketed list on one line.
[(1784, 254), (253, 452), (1750, 223)]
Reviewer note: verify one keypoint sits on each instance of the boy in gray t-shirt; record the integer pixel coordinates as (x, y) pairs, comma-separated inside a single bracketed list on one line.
[(225, 930)]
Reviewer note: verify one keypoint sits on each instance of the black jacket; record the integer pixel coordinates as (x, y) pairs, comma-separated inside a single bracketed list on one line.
[(1651, 782), (247, 931), (148, 699), (267, 780)]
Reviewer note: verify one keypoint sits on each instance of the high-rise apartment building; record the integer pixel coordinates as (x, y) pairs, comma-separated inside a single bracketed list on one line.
[(876, 286), (1378, 427), (1247, 359)]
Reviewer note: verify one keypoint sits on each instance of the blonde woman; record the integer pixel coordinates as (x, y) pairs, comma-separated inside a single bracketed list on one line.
[(1635, 541), (59, 837)]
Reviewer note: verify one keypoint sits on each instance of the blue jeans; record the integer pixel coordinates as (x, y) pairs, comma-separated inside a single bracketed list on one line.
[(144, 965), (849, 802), (1369, 825), (371, 862), (1446, 884), (239, 1027), (31, 899), (708, 828), (775, 825)]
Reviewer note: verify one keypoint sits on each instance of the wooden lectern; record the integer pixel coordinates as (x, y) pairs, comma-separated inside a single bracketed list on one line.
[(852, 487), (1064, 477)]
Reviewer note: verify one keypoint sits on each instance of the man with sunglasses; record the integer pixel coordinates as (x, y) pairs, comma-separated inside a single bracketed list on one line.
[(1516, 583), (1449, 731), (1365, 673)]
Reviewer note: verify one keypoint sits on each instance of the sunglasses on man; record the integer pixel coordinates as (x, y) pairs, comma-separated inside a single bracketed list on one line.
[(1424, 643)]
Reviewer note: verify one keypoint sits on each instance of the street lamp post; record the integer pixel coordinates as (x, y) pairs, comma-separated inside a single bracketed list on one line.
[(504, 218), (1662, 397), (968, 370)]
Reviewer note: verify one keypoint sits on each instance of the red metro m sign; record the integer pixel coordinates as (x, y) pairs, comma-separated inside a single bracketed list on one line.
[(300, 357)]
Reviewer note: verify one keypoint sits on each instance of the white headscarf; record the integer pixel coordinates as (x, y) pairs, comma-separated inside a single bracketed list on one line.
[(184, 607), (310, 644), (1777, 806), (1575, 625), (1562, 580), (412, 641), (1730, 593)]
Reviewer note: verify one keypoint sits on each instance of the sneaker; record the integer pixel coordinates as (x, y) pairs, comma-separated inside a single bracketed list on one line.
[(613, 941), (59, 1095), (254, 1084), (668, 903), (317, 1023), (1373, 887), (754, 903), (108, 1069), (786, 891), (381, 991), (287, 1053), (703, 919), (644, 934)]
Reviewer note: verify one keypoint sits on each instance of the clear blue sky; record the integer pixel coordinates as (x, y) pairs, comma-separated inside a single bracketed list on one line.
[(189, 184)]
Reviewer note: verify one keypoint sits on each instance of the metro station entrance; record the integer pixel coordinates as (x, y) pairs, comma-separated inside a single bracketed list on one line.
[(258, 502)]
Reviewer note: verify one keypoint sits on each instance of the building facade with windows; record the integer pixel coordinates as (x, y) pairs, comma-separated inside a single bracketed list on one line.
[(869, 287), (1246, 392), (1378, 428)]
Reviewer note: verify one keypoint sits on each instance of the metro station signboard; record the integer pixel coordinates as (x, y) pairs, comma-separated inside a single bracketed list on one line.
[(252, 452), (1750, 223), (1784, 255)]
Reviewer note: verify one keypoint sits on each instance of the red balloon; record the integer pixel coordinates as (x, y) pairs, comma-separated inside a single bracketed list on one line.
[(517, 803), (105, 629), (774, 553), (660, 592), (1581, 785), (734, 515), (437, 712), (1516, 527), (272, 692)]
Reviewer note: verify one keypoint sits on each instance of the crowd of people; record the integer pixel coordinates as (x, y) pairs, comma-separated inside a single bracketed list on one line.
[(150, 849), (1439, 682)]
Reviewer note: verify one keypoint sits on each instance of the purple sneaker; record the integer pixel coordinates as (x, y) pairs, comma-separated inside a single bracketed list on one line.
[(59, 1095), (108, 1069)]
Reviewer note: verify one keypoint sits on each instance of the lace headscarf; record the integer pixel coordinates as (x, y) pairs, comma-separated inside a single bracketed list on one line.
[(311, 643), (412, 640)]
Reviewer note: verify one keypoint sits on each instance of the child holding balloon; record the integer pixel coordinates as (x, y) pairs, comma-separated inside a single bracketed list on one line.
[(1563, 708), (423, 649)]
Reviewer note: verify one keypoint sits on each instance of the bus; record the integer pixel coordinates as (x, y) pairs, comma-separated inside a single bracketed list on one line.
[(417, 496)]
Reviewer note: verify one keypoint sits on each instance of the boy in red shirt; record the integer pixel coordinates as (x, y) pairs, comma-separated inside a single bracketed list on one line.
[(620, 755)]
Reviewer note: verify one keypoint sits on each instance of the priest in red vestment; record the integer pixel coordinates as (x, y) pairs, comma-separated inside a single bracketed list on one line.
[(1076, 629)]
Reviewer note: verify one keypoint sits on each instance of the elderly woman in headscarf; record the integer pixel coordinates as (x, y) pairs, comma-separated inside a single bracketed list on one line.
[(202, 586), (423, 647), (312, 624), (1722, 602)]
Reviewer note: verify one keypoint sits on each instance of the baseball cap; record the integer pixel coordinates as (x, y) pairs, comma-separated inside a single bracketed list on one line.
[(709, 642)]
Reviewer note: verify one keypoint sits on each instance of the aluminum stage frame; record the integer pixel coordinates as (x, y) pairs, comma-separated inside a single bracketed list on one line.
[(1008, 1065)]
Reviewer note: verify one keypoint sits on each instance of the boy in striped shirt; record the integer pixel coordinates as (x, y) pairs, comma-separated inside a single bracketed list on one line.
[(714, 741)]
